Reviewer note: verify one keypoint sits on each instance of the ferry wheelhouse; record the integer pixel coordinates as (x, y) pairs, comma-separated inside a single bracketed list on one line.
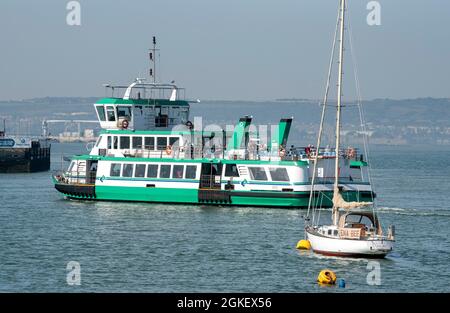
[(149, 151)]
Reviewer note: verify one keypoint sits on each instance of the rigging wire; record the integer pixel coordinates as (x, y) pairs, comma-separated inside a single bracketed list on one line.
[(325, 100), (360, 110)]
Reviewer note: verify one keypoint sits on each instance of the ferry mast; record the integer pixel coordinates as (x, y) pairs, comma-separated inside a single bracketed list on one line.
[(152, 57)]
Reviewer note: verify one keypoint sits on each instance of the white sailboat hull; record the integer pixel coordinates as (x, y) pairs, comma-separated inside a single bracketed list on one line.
[(365, 248)]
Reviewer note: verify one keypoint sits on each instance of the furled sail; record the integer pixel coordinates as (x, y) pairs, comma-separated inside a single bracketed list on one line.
[(339, 202)]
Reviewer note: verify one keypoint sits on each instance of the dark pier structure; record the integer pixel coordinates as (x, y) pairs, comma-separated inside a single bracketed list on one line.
[(24, 154)]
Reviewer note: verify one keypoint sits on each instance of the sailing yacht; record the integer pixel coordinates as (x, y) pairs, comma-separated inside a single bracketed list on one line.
[(355, 230)]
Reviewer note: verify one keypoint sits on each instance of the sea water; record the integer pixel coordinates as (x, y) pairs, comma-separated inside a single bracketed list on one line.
[(144, 247)]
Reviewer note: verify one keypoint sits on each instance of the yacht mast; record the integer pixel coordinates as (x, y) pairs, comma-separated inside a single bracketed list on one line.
[(338, 114)]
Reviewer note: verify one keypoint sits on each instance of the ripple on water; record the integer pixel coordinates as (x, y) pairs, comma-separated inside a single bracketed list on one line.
[(159, 247)]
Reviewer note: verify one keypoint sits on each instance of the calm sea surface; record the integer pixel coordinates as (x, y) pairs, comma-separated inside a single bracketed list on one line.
[(177, 248)]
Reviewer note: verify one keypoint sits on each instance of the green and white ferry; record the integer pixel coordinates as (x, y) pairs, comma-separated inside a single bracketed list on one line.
[(149, 151)]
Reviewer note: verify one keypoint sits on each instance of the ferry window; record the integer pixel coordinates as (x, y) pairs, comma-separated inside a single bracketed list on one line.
[(124, 111), (279, 174), (110, 114), (184, 114), (98, 141), (177, 171), (191, 171), (149, 143), (115, 169), (161, 143), (164, 171), (231, 170), (137, 142), (115, 142), (109, 144), (140, 170), (216, 169), (71, 166), (152, 171), (127, 170), (173, 140), (124, 142), (161, 117), (257, 173), (101, 113)]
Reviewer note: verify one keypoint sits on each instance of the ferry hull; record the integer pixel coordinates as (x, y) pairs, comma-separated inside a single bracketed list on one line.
[(76, 191), (376, 248), (191, 196)]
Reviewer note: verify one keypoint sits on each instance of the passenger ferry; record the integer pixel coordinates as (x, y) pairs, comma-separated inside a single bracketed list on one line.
[(150, 151)]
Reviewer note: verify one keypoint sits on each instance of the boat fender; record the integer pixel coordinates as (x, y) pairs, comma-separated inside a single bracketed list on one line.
[(169, 150), (304, 245), (326, 277), (125, 124)]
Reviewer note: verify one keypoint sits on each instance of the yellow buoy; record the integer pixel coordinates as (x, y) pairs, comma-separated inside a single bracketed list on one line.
[(326, 277), (304, 244)]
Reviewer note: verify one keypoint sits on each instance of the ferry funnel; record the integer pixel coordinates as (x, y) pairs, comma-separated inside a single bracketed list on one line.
[(240, 133)]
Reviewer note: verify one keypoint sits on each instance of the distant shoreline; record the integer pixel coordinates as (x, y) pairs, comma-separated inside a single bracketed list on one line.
[(388, 122), (71, 100)]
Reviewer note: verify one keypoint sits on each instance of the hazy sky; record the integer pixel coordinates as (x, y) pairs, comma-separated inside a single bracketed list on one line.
[(222, 49)]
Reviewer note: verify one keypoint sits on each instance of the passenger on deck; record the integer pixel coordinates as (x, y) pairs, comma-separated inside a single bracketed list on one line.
[(179, 174), (308, 150)]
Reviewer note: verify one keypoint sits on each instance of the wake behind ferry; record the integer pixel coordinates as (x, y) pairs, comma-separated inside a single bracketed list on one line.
[(150, 151)]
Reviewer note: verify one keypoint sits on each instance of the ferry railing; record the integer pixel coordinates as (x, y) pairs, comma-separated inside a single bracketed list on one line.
[(150, 91), (176, 152), (59, 165), (80, 176), (208, 182), (252, 153), (310, 153)]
